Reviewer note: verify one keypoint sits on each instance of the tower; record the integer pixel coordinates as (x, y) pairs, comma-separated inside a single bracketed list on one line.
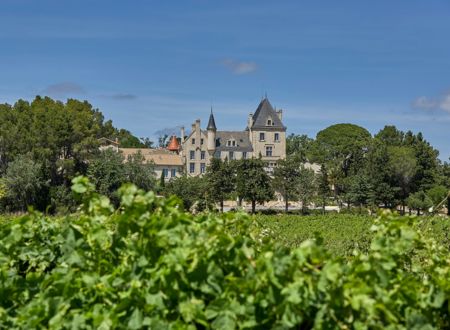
[(211, 133)]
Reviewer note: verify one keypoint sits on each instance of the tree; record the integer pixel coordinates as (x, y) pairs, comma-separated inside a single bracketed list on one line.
[(220, 179), (379, 174), (140, 172), (390, 136), (402, 164), (323, 187), (359, 190), (24, 182), (342, 143), (252, 182), (191, 191), (437, 194), (285, 179), (306, 187), (419, 201), (107, 173), (298, 147)]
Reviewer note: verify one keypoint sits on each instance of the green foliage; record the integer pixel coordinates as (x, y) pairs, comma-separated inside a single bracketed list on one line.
[(344, 144), (109, 170), (252, 182), (192, 191), (3, 191), (286, 179), (419, 201), (24, 182), (220, 179), (148, 264), (437, 194), (299, 147), (61, 137)]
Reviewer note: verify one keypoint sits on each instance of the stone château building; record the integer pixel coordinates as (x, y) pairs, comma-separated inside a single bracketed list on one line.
[(264, 136)]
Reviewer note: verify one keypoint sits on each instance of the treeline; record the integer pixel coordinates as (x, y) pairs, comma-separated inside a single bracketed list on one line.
[(393, 169), (45, 143)]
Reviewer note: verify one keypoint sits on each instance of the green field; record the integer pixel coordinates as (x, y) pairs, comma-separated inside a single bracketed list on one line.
[(341, 233)]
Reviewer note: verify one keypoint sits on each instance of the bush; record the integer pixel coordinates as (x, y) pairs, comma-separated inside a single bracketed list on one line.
[(149, 264)]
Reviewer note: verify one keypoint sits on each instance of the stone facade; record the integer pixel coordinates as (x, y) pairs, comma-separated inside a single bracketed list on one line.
[(265, 136)]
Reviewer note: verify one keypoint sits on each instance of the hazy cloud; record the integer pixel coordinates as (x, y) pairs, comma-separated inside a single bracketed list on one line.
[(426, 103), (64, 88), (123, 96), (239, 68)]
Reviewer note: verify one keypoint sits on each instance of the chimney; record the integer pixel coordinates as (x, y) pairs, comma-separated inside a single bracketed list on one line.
[(197, 125), (193, 128), (280, 114), (250, 121), (183, 134)]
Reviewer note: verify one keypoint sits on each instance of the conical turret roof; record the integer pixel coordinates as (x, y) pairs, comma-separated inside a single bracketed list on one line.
[(173, 144), (211, 122)]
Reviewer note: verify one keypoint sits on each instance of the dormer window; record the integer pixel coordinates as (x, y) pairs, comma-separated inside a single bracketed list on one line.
[(231, 143), (269, 122)]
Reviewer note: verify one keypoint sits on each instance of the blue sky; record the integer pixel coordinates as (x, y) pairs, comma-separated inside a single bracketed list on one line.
[(152, 65)]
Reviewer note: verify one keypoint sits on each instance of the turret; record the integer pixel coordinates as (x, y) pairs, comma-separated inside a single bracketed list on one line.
[(211, 132)]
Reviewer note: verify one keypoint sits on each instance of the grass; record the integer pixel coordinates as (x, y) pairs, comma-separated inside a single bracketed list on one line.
[(341, 233)]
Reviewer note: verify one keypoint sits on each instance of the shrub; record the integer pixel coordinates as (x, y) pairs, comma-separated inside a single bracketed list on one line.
[(149, 264)]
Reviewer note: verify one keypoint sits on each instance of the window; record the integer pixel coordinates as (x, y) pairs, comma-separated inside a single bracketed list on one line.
[(165, 172), (201, 141), (244, 155), (193, 141), (231, 143), (262, 137), (191, 167), (269, 122), (192, 154), (202, 155), (277, 137), (173, 172), (231, 155), (202, 168), (268, 151)]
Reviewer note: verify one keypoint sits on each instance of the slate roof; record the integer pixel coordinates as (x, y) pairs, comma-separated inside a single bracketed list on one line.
[(264, 112), (241, 138), (211, 122)]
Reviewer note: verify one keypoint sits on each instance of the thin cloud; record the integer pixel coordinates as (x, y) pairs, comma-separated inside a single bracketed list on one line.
[(238, 67), (123, 97), (64, 88), (426, 103)]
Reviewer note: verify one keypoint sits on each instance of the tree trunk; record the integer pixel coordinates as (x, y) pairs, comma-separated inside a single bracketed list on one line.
[(448, 205), (418, 211), (253, 207), (403, 208), (286, 204), (221, 205)]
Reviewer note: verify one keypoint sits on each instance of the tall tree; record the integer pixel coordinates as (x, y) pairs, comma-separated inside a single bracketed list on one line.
[(285, 179), (402, 164), (220, 179), (107, 173), (306, 188), (24, 183), (323, 186), (140, 172), (252, 182), (299, 147)]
